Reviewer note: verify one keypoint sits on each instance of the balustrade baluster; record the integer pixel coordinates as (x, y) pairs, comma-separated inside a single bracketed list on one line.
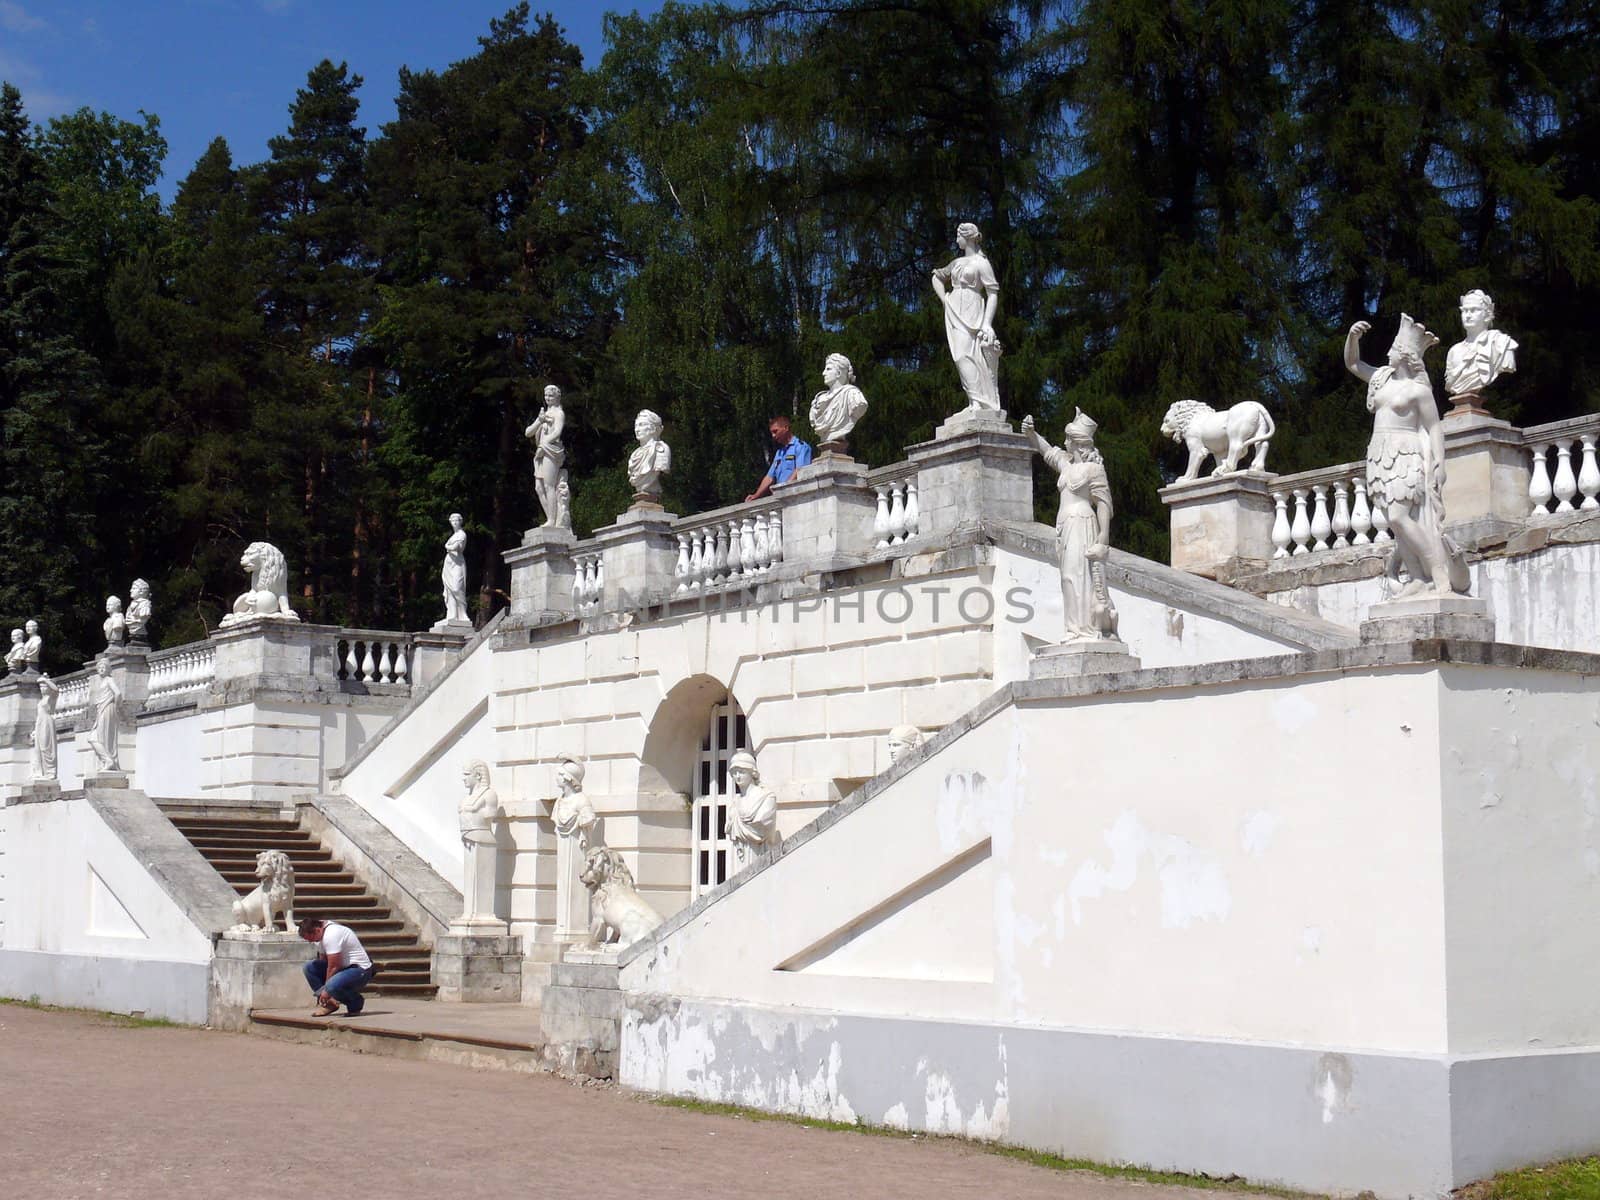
[(387, 669), (1539, 490), (913, 514), (697, 557), (735, 558), (348, 660), (719, 565), (1341, 514), (1321, 526), (1380, 522), (599, 578), (775, 536), (1300, 530), (680, 570), (369, 668), (1361, 514), (897, 514), (1566, 482), (880, 523), (762, 558), (1589, 476), (747, 546), (1280, 525)]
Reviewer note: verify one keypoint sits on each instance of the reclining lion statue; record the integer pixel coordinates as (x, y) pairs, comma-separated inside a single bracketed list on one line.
[(1226, 436), (620, 913), (269, 586)]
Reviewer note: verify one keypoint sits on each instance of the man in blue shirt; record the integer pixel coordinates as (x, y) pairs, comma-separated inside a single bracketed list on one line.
[(792, 454)]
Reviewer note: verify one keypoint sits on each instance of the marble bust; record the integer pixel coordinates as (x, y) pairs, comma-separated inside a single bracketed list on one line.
[(902, 740), (753, 816), (838, 406), (1481, 357), (17, 655), (477, 811), (652, 459), (33, 648), (115, 625), (549, 459), (139, 613), (572, 814), (970, 294)]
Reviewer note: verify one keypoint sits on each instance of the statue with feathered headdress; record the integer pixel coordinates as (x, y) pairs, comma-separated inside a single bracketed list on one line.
[(1405, 460)]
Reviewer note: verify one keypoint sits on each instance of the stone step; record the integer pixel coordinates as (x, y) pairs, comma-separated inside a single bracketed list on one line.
[(397, 1035)]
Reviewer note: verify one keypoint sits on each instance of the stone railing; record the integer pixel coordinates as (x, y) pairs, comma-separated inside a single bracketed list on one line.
[(181, 673), (899, 516), (1325, 509), (728, 547), (1555, 485), (73, 700), (372, 656), (588, 579)]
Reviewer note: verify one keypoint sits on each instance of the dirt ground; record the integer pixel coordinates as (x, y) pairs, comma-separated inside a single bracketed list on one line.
[(90, 1108)]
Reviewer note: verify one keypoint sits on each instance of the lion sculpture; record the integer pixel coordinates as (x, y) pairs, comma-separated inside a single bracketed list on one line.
[(1226, 436), (620, 914), (269, 586), (275, 893)]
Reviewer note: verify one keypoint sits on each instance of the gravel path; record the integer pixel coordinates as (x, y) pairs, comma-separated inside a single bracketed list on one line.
[(90, 1107)]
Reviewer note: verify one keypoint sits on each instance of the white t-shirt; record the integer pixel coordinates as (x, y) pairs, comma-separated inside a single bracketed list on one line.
[(340, 940)]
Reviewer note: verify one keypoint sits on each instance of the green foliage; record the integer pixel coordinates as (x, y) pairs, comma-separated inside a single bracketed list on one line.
[(338, 346), (1575, 1179)]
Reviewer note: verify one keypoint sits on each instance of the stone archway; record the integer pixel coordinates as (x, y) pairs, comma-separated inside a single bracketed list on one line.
[(696, 729)]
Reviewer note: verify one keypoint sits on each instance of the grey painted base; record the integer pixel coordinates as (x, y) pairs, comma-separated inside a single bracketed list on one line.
[(580, 1013), (478, 968), (257, 970), (1301, 1117), (173, 991)]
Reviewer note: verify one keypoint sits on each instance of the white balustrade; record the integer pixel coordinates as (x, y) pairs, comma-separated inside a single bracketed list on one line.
[(1361, 514), (1332, 511), (1572, 488), (1321, 525), (73, 696), (899, 516), (1281, 537), (178, 672), (1341, 514), (368, 658), (588, 579), (1300, 530)]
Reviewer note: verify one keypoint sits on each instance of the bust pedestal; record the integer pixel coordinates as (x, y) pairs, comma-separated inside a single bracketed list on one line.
[(1418, 618), (828, 509), (1221, 519), (478, 962), (1100, 657), (638, 555)]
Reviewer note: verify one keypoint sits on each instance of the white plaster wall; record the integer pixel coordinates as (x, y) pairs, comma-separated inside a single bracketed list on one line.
[(1188, 862), (1550, 597), (1522, 866)]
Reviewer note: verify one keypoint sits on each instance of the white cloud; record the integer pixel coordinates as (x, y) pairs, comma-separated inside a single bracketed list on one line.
[(18, 19)]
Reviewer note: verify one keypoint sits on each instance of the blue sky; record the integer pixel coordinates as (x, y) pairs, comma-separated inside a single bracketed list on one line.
[(231, 67)]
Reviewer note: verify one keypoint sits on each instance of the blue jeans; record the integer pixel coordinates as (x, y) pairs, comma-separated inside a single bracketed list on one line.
[(345, 986)]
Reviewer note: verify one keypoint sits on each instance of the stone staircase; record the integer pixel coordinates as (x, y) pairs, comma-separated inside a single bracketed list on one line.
[(323, 887)]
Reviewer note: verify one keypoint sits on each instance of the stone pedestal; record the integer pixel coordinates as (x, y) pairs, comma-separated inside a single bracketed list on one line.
[(38, 791), (572, 898), (542, 573), (1486, 475), (435, 650), (1417, 618), (1223, 519), (106, 779), (130, 667), (274, 654), (976, 469), (580, 1013), (19, 708), (459, 628), (478, 964), (828, 510), (1101, 657), (638, 556), (257, 970), (1467, 404)]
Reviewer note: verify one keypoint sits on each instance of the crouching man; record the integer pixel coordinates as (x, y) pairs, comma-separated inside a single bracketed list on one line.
[(341, 969)]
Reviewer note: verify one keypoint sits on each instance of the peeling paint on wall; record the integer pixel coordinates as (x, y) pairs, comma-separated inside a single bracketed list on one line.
[(1257, 830), (1193, 885)]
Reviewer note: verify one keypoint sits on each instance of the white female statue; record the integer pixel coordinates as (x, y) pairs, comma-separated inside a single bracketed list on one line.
[(453, 575), (575, 820), (105, 697), (115, 626), (139, 613), (478, 810), (549, 458), (1481, 357), (1083, 529), (652, 459), (753, 816), (838, 406), (1405, 460), (44, 731), (970, 294)]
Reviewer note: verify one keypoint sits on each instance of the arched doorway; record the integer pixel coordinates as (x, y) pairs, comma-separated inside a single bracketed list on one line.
[(711, 854)]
